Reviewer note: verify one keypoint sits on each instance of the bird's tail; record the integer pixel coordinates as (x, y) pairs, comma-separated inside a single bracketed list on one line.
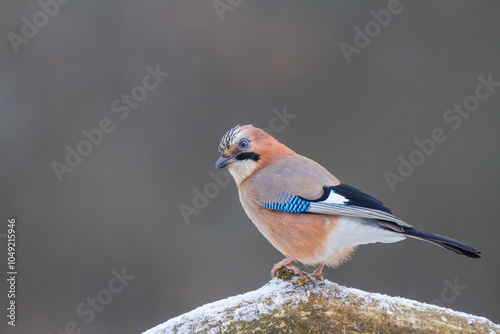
[(445, 242)]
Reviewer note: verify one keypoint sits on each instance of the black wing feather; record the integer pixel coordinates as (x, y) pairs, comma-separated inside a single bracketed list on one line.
[(355, 196)]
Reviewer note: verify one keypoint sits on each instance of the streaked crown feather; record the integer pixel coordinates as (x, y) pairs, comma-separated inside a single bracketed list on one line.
[(229, 139)]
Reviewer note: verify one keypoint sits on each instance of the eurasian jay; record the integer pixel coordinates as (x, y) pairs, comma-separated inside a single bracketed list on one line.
[(304, 211)]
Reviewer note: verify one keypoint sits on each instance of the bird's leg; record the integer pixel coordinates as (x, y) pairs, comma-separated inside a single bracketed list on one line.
[(286, 263), (318, 273)]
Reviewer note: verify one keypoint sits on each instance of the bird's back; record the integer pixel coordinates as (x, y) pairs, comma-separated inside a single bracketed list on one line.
[(291, 175)]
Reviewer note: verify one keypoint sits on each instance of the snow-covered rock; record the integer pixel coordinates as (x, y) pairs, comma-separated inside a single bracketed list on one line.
[(288, 307)]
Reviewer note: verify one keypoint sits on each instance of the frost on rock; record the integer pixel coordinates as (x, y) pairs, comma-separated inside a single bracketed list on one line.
[(244, 307), (286, 306)]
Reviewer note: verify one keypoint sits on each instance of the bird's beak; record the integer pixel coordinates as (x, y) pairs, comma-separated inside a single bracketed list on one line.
[(223, 162)]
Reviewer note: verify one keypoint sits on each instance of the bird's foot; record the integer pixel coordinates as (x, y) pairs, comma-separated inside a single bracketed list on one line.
[(318, 273), (286, 263), (285, 271), (304, 279)]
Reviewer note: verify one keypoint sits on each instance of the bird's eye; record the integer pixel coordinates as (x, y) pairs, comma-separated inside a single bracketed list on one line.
[(243, 144)]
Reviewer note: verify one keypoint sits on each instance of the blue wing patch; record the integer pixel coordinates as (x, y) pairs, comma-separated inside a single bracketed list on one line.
[(293, 204)]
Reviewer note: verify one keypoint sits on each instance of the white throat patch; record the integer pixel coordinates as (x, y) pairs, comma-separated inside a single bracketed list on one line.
[(242, 169)]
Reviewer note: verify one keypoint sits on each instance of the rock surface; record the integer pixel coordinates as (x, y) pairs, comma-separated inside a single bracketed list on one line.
[(289, 306)]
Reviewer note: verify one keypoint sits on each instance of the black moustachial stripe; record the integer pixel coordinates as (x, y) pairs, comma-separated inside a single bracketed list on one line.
[(248, 156)]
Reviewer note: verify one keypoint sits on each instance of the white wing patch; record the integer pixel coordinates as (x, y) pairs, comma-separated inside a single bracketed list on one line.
[(334, 198)]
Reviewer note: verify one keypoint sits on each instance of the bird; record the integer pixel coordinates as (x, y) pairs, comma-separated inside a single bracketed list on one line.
[(304, 211)]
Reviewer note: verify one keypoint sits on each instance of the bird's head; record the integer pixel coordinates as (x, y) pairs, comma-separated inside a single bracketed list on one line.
[(246, 149)]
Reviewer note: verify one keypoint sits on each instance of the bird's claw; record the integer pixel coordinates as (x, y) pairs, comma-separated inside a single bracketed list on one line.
[(318, 273), (318, 276), (304, 277), (286, 263), (310, 278)]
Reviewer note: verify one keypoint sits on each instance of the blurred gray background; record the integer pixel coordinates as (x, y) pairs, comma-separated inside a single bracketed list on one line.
[(119, 208)]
